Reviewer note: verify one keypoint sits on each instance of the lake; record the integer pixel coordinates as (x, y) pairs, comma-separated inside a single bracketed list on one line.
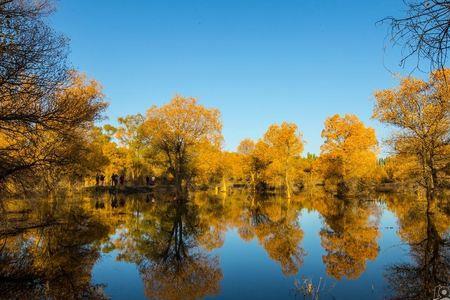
[(223, 247)]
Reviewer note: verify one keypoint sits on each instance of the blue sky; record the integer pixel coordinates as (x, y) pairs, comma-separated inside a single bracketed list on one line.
[(259, 62)]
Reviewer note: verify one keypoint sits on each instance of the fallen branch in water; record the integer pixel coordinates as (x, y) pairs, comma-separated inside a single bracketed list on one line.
[(17, 230), (23, 211)]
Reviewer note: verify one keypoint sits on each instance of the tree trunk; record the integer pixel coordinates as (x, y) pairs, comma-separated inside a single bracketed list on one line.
[(253, 182), (178, 185), (224, 185), (288, 186), (433, 177)]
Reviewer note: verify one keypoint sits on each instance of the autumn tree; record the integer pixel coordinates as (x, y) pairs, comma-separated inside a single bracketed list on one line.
[(246, 147), (40, 134), (208, 162), (232, 169), (348, 154), (89, 157), (45, 109), (254, 161), (176, 128), (103, 155), (274, 159), (308, 168), (420, 113), (400, 169), (128, 133), (284, 146), (217, 168)]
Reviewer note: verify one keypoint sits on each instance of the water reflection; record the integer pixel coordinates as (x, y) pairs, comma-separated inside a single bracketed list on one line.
[(53, 259), (164, 244), (277, 228), (349, 236), (48, 248), (425, 230)]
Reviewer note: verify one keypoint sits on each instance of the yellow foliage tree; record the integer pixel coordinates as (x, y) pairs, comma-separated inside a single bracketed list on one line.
[(133, 163), (420, 111), (349, 152), (176, 129), (284, 145), (400, 168), (254, 161), (208, 163), (43, 134), (213, 166)]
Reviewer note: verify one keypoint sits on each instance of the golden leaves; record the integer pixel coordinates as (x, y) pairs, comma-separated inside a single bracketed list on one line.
[(182, 120), (176, 129), (275, 158), (420, 113), (349, 151)]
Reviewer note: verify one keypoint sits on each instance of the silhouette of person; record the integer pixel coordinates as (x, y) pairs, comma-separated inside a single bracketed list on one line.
[(114, 179)]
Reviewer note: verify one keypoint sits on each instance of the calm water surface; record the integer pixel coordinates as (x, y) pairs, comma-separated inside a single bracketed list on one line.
[(222, 247)]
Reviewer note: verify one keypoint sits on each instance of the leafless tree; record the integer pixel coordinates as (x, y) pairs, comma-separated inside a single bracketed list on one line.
[(30, 52), (423, 33)]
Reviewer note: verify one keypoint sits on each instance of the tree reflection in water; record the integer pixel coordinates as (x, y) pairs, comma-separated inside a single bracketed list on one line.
[(425, 230), (274, 222), (54, 260), (277, 228), (165, 248), (349, 236), (170, 240)]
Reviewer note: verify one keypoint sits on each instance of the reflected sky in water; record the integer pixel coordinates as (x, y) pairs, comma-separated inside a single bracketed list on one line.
[(223, 247)]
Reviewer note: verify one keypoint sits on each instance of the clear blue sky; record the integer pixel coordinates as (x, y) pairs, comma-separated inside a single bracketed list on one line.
[(258, 61)]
